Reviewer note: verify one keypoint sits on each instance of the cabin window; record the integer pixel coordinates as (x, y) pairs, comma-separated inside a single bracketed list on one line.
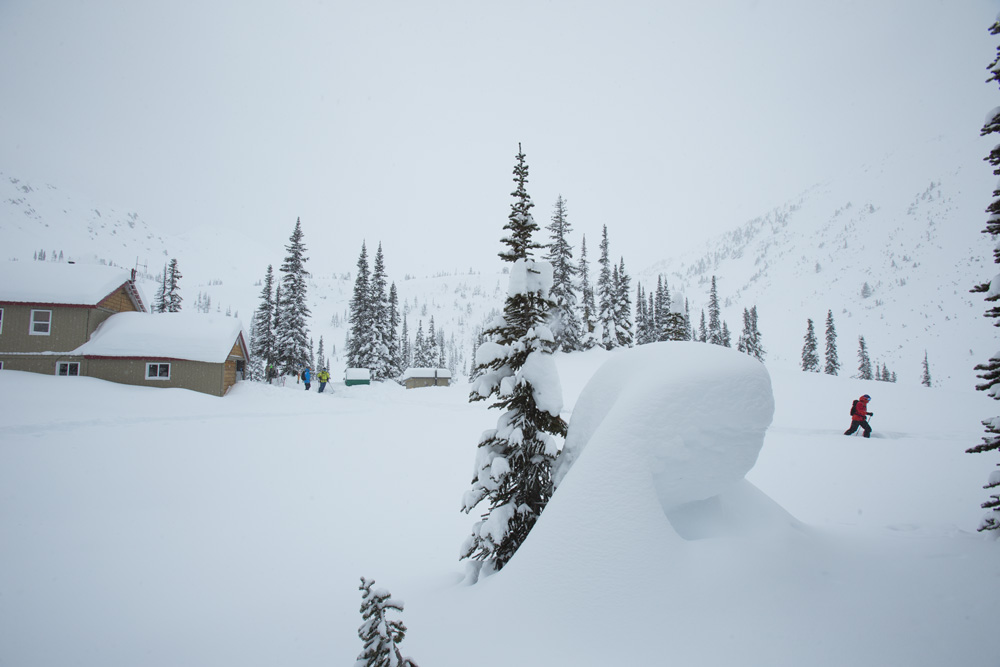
[(41, 323), (68, 368), (1, 365), (157, 371)]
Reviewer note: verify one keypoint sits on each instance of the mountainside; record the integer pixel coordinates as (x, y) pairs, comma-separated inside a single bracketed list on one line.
[(908, 228)]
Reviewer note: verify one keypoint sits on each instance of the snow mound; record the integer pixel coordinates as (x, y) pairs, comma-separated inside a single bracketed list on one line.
[(684, 421), (696, 412)]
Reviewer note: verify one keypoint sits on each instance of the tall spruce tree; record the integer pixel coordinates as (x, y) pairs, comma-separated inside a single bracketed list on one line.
[(663, 312), (360, 353), (292, 332), (702, 328), (714, 335), (262, 329), (565, 322), (989, 371), (622, 306), (810, 358), (514, 461), (588, 310), (172, 296), (925, 378), (750, 339), (864, 361), (606, 296), (382, 336), (160, 300), (395, 351), (832, 365)]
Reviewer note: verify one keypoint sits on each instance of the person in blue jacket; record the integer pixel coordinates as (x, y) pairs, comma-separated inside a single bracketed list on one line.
[(306, 378)]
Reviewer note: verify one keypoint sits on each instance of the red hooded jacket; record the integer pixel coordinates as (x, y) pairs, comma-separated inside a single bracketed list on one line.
[(860, 410)]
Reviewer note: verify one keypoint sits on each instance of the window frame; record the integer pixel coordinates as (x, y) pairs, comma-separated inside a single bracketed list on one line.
[(1, 364), (1, 321), (69, 367), (159, 377), (32, 323)]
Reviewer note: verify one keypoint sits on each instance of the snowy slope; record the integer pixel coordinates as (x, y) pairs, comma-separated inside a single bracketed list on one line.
[(185, 529), (908, 226)]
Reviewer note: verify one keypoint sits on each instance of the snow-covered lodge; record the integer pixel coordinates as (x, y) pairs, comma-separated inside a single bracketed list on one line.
[(89, 320)]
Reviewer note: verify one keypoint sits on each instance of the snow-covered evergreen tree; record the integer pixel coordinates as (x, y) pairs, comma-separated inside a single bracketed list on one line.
[(383, 336), (421, 358), (714, 334), (622, 305), (925, 378), (261, 330), (172, 297), (606, 297), (380, 634), (160, 300), (702, 328), (588, 310), (989, 371), (864, 361), (662, 312), (727, 337), (832, 365), (292, 333), (513, 471), (360, 351), (396, 358), (520, 223), (565, 322), (750, 339), (432, 350), (405, 355), (320, 357), (810, 358)]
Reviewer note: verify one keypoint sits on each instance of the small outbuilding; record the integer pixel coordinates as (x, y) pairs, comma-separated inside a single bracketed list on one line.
[(426, 377), (353, 376)]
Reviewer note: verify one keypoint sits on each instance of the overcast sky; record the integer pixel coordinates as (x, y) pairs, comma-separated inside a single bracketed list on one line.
[(399, 121)]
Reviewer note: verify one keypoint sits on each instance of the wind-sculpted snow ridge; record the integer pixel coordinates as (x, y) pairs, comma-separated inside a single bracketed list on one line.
[(682, 421)]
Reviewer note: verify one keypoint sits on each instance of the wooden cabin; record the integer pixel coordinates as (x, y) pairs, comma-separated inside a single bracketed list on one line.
[(71, 320), (426, 377)]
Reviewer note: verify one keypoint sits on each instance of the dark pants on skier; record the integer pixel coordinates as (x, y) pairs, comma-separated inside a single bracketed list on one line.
[(864, 426)]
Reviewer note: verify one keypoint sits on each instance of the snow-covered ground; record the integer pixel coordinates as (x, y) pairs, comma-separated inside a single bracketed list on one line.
[(164, 527)]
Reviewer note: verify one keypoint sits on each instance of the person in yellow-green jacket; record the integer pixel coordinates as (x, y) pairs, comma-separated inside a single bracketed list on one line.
[(323, 376)]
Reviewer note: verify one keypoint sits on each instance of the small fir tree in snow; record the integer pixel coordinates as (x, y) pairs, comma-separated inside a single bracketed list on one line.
[(513, 471), (662, 312), (832, 365), (727, 337), (810, 359), (864, 361), (925, 378), (380, 634), (702, 329)]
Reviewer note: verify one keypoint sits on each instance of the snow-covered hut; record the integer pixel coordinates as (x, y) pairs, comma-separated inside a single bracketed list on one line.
[(353, 376), (426, 377)]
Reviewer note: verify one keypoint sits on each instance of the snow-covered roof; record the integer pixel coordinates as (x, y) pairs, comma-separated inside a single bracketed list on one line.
[(358, 374), (426, 373), (59, 282), (192, 336)]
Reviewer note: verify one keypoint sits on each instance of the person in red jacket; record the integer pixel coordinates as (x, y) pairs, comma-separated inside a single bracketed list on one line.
[(859, 416)]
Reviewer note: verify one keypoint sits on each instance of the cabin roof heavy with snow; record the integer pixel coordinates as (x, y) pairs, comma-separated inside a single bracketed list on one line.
[(88, 320)]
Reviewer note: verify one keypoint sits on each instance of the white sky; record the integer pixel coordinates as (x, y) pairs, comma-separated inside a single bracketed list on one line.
[(399, 121)]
